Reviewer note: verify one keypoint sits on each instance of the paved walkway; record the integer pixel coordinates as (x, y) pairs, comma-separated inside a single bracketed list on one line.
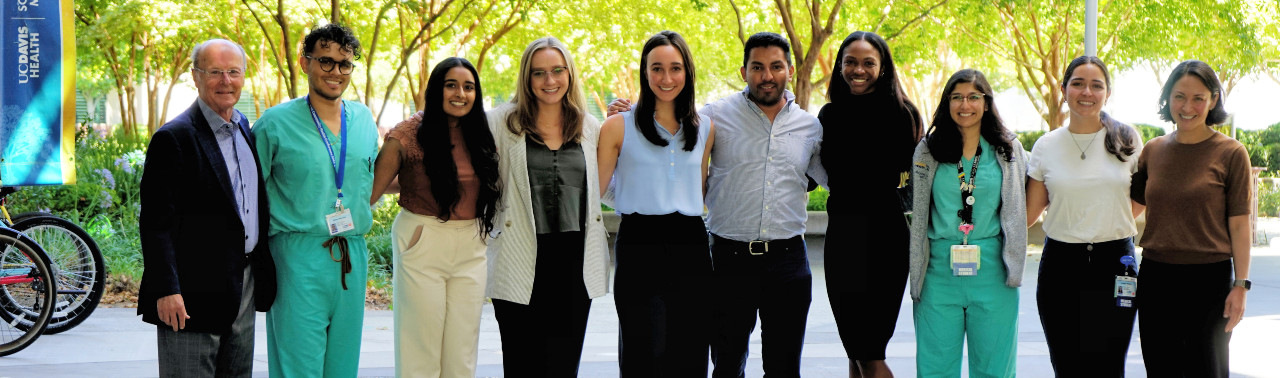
[(115, 343)]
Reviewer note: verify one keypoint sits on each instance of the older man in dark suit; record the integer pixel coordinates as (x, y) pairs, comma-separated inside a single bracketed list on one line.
[(204, 216)]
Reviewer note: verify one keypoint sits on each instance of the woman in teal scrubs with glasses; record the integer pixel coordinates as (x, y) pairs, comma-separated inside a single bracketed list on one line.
[(968, 235)]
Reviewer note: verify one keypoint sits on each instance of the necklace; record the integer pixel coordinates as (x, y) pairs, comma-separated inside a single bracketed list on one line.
[(1082, 150)]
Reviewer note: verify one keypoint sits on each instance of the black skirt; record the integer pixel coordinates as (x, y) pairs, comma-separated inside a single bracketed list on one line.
[(866, 259)]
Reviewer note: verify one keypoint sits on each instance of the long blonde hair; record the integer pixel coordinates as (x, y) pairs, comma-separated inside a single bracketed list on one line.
[(573, 106)]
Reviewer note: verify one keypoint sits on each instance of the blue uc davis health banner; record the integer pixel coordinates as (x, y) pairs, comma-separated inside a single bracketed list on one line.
[(37, 92)]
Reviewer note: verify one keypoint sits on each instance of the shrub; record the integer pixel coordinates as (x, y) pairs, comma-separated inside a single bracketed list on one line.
[(1148, 132), (818, 199), (1029, 138), (379, 241), (1268, 198)]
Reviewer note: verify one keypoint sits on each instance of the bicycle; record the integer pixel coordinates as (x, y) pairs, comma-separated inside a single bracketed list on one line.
[(74, 258), (26, 302)]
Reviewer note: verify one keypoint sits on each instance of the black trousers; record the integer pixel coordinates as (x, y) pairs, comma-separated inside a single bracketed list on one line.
[(1088, 335), (779, 286), (1180, 318), (661, 290), (866, 260), (544, 338)]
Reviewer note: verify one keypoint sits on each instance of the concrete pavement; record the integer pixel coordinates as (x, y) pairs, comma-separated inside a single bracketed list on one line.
[(115, 342)]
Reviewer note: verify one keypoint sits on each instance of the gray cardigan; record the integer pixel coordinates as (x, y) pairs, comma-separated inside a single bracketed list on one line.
[(1013, 213)]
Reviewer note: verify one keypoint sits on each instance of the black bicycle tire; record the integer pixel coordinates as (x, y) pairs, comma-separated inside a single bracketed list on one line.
[(73, 316), (10, 237)]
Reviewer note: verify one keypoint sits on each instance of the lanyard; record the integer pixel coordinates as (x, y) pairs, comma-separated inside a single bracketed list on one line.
[(966, 194), (339, 165)]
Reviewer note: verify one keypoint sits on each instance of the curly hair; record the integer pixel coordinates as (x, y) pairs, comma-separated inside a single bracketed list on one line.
[(332, 33)]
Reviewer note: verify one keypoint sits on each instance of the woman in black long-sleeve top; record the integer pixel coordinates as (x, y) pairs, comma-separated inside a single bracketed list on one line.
[(867, 237)]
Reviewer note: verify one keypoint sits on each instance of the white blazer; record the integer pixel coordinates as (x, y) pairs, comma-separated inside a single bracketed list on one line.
[(513, 253)]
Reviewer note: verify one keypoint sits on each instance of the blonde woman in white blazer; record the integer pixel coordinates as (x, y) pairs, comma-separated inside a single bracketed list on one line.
[(549, 257)]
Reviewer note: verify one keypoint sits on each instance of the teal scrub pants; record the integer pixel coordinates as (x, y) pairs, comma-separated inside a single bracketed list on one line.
[(314, 326), (980, 307)]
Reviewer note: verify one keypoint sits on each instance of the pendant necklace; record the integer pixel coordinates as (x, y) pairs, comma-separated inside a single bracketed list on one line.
[(1082, 150)]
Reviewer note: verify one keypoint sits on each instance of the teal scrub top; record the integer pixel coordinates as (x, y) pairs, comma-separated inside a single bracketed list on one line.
[(944, 223), (299, 173)]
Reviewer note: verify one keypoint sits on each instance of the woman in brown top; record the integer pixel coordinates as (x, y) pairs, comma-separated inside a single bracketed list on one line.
[(1195, 183), (448, 168)]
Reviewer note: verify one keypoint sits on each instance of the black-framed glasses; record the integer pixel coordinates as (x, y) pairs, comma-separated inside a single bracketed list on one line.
[(234, 73), (326, 63)]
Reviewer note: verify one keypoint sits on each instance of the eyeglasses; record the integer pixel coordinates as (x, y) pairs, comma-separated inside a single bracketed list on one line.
[(234, 73), (326, 63), (558, 72), (957, 99)]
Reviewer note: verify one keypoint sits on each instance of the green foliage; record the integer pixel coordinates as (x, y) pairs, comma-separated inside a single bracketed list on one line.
[(1148, 132), (1029, 138), (1264, 147), (818, 199), (1268, 198), (379, 241)]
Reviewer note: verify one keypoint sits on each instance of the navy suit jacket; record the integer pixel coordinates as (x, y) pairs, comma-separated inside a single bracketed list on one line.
[(192, 236)]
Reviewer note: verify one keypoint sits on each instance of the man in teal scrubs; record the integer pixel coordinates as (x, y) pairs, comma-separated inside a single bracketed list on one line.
[(317, 157)]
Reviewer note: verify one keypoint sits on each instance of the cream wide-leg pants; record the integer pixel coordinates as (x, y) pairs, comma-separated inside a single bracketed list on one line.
[(439, 283)]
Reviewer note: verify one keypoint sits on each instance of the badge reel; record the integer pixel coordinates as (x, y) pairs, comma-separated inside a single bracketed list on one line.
[(340, 220), (1126, 285), (965, 258)]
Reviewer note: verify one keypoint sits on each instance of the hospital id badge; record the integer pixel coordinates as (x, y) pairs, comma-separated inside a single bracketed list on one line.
[(339, 222), (1126, 290), (965, 260)]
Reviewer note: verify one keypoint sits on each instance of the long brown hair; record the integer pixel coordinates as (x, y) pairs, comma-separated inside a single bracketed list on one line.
[(523, 120), (686, 111)]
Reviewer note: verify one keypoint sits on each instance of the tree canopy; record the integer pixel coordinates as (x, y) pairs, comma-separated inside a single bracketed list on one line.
[(133, 48)]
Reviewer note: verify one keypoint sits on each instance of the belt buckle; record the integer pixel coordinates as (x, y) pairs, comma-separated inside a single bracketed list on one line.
[(751, 247)]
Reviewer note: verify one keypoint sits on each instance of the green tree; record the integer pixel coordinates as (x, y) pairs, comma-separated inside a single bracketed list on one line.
[(113, 31)]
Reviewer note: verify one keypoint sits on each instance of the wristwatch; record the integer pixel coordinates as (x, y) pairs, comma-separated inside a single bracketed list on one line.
[(1246, 284)]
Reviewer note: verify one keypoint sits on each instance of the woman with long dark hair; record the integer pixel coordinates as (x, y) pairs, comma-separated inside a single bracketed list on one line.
[(866, 250), (1084, 170), (657, 158), (550, 257), (1196, 185), (448, 168), (968, 234)]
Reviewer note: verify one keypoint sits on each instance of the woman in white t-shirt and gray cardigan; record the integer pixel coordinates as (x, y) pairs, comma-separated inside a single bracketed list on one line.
[(1082, 173)]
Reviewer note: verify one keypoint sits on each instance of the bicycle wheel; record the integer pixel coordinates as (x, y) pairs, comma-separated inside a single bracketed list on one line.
[(76, 262), (26, 302)]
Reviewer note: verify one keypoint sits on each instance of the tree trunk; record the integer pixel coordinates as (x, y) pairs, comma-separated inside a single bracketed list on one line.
[(120, 97), (335, 13), (286, 45), (803, 88)]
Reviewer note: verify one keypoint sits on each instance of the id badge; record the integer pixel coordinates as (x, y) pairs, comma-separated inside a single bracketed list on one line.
[(339, 222), (965, 260), (1126, 289)]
